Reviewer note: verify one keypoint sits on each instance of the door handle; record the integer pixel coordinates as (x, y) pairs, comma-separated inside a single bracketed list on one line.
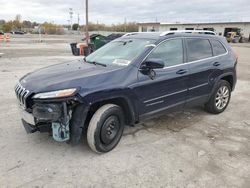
[(182, 71), (216, 64)]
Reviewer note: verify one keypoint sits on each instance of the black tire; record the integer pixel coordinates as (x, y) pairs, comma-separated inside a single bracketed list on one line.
[(211, 106), (105, 128)]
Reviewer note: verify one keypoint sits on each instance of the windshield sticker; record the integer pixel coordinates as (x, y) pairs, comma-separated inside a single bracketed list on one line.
[(122, 62)]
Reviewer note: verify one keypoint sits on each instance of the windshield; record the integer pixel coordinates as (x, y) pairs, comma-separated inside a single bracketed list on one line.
[(120, 52)]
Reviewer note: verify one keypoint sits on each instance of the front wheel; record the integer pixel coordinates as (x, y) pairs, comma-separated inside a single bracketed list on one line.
[(105, 128), (220, 98)]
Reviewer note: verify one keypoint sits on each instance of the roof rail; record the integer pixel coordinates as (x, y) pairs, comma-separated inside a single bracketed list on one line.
[(173, 32), (134, 33), (187, 31)]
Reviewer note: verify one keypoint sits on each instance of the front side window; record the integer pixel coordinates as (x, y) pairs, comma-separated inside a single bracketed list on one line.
[(120, 52), (198, 49), (218, 48), (171, 52)]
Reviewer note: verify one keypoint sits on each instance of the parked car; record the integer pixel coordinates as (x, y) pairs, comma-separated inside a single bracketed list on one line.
[(1, 33), (131, 78), (17, 32)]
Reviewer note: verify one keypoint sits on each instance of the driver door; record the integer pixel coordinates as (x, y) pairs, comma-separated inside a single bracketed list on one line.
[(169, 87)]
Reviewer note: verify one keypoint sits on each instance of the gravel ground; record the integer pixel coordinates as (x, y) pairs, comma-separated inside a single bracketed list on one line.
[(189, 148)]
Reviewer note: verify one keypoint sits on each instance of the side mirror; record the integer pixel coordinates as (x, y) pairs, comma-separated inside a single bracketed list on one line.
[(147, 68), (150, 64)]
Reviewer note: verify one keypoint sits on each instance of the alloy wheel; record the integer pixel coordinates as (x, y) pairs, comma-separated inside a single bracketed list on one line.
[(222, 97)]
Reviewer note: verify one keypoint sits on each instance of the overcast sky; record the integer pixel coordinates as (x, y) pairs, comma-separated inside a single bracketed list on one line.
[(115, 11)]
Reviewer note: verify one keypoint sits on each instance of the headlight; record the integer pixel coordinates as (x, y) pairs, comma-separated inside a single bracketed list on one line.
[(56, 94)]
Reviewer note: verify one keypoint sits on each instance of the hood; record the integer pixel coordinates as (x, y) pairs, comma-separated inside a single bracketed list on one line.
[(62, 76)]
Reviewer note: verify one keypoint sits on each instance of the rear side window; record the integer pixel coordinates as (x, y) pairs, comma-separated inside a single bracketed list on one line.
[(218, 48), (198, 49)]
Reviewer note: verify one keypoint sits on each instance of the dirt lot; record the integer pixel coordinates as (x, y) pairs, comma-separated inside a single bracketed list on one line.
[(190, 148)]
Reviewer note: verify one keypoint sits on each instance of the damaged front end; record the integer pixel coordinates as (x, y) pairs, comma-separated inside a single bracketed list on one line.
[(51, 112), (56, 116)]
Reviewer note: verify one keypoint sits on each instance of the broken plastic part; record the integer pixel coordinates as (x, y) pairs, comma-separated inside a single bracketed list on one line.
[(60, 132)]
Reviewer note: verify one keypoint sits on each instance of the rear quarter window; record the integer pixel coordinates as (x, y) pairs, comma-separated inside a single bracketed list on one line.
[(198, 49), (218, 47)]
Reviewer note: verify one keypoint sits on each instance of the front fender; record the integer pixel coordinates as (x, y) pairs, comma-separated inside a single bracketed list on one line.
[(125, 95), (77, 123)]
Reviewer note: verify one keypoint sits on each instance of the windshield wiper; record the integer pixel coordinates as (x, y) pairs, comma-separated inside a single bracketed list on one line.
[(95, 63)]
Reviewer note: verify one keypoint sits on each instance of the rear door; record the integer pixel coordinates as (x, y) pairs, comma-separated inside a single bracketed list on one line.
[(169, 87), (199, 60), (220, 56)]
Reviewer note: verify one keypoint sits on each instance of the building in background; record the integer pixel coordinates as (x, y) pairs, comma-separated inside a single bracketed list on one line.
[(220, 28)]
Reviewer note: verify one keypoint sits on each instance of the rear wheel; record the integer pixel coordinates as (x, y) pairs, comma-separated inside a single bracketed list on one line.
[(105, 128), (220, 98)]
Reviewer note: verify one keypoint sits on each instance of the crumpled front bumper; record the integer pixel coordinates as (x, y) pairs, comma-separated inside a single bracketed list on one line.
[(28, 127), (43, 128), (44, 114), (28, 120), (26, 116), (41, 117)]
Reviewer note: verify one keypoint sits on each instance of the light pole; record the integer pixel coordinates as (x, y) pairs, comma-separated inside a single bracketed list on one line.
[(87, 21)]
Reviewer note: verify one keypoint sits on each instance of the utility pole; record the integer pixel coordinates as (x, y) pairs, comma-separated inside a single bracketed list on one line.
[(40, 33), (87, 21), (71, 17), (68, 24), (125, 24), (78, 22)]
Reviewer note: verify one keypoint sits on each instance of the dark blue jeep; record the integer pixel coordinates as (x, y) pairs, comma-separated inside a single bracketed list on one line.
[(133, 77)]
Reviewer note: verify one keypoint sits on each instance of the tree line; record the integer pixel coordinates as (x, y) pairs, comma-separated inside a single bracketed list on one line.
[(120, 27), (52, 28)]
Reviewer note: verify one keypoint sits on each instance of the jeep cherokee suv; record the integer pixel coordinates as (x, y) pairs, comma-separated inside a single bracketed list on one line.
[(125, 81)]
